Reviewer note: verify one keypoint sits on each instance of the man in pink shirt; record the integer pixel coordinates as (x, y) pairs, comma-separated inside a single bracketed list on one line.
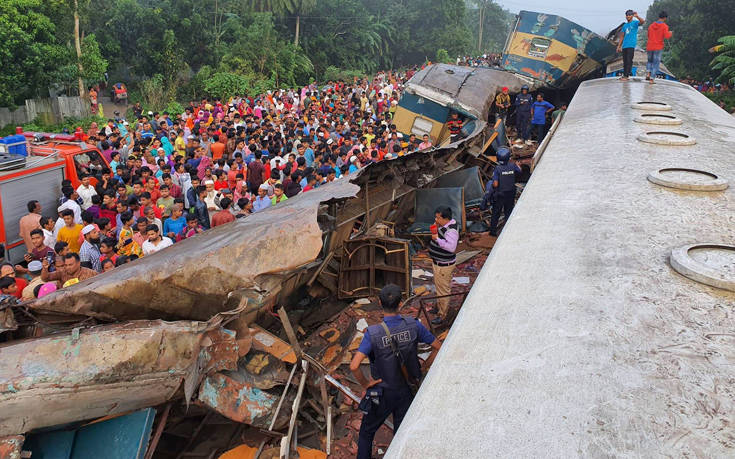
[(30, 222)]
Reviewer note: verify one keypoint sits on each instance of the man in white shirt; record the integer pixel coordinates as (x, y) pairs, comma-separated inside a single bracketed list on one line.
[(71, 203), (155, 241), (86, 191)]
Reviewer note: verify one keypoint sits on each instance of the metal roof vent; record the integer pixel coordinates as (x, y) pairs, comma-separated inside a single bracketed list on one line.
[(667, 138), (658, 118), (687, 179), (652, 106), (710, 264)]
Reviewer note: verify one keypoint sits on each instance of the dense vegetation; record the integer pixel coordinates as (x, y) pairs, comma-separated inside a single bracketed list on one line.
[(697, 25), (184, 48)]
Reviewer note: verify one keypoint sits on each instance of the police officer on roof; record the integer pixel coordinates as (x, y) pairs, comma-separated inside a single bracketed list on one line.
[(392, 347), (504, 186)]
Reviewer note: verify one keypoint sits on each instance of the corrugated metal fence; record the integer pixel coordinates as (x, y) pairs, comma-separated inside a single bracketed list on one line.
[(49, 111)]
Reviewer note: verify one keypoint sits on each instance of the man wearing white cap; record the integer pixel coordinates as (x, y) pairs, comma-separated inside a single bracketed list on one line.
[(262, 201), (89, 253), (354, 165), (34, 269)]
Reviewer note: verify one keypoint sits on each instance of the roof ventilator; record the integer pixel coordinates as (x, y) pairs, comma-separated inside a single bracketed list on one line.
[(710, 264), (667, 138)]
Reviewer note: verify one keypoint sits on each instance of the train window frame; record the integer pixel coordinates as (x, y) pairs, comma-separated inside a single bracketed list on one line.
[(419, 130), (539, 47)]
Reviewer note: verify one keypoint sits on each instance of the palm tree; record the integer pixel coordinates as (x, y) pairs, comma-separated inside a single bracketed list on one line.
[(284, 7), (725, 59)]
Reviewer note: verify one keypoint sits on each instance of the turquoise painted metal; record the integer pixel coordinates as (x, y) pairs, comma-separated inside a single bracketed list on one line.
[(123, 437)]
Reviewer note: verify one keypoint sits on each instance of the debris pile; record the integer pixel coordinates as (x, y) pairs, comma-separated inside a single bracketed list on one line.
[(223, 369)]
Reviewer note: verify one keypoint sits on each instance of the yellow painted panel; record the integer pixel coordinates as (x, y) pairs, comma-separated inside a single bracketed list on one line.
[(404, 119), (559, 54)]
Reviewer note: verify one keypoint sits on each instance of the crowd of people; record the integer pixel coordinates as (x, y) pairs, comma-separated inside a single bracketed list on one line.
[(173, 176)]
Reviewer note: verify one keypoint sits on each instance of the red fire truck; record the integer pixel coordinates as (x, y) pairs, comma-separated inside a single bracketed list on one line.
[(35, 173)]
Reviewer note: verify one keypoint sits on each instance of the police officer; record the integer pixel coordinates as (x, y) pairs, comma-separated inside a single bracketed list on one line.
[(388, 391), (504, 184), (523, 104)]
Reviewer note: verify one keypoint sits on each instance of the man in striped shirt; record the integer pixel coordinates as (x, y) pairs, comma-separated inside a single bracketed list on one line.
[(441, 249)]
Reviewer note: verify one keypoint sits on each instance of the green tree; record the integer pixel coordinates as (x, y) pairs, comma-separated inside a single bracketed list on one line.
[(94, 65), (490, 25), (29, 53), (724, 62), (695, 25), (281, 8)]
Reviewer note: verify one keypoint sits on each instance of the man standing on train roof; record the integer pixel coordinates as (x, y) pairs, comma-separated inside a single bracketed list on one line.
[(627, 41), (504, 183), (657, 33), (523, 103), (392, 347)]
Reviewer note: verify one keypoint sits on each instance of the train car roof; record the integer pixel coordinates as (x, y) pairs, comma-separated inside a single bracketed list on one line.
[(467, 89), (578, 338)]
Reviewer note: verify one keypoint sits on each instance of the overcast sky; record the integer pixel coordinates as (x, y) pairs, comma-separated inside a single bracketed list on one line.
[(598, 16)]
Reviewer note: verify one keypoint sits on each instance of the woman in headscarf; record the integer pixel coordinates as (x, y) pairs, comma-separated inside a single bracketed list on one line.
[(166, 145), (204, 164)]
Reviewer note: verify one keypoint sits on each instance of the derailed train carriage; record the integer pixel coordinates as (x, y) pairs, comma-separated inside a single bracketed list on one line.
[(555, 51), (601, 324)]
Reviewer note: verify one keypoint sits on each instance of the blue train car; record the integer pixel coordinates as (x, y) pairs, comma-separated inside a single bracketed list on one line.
[(554, 50)]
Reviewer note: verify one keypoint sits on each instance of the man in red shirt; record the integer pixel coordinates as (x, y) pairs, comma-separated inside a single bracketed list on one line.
[(657, 33), (217, 148), (224, 215)]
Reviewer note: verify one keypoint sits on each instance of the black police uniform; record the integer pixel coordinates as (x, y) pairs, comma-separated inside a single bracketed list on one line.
[(505, 193), (394, 396), (523, 115)]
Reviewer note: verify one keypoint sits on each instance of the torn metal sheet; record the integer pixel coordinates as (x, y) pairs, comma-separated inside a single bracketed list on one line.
[(237, 400), (266, 341), (191, 279), (104, 370), (11, 446)]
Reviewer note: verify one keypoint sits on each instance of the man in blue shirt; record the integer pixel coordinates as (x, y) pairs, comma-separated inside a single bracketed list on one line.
[(388, 391), (628, 40), (539, 110)]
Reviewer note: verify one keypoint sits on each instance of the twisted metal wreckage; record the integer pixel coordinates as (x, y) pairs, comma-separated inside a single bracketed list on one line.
[(225, 277)]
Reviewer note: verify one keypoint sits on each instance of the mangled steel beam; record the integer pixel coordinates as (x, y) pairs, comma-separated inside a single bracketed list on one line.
[(191, 279), (106, 370)]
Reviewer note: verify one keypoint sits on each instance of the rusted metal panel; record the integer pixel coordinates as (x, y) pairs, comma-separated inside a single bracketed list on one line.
[(191, 280), (237, 400), (266, 341), (10, 446), (104, 370), (370, 263)]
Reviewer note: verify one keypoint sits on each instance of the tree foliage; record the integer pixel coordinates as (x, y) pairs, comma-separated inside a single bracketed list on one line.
[(696, 26), (29, 53), (724, 62), (198, 46)]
